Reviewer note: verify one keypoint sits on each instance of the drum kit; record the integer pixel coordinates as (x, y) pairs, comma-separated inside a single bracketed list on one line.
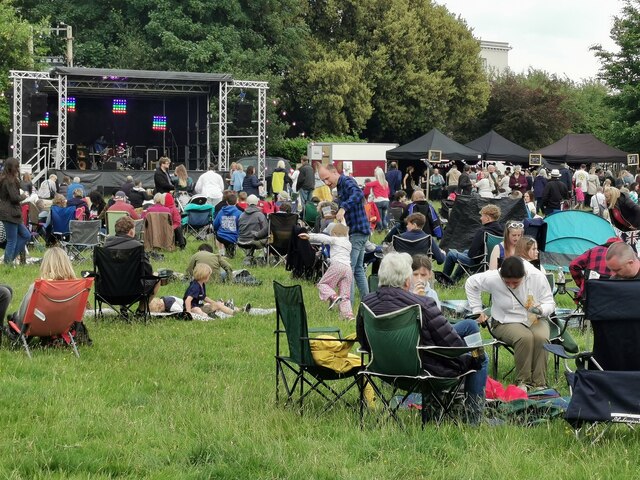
[(118, 157)]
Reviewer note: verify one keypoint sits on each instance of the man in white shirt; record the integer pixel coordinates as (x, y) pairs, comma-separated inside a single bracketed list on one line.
[(598, 204), (211, 185), (581, 178), (521, 300)]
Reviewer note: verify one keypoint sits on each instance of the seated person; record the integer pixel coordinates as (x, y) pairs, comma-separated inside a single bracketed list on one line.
[(283, 197), (138, 195), (242, 200), (419, 204), (158, 205), (225, 226), (196, 300), (124, 240), (176, 220), (264, 233), (72, 188), (527, 249), (223, 203), (78, 201), (507, 247), (127, 186), (326, 215), (120, 204), (394, 283), (98, 207), (593, 260), (400, 201), (59, 201), (489, 216), (415, 223), (623, 262), (219, 265), (55, 266), (521, 300), (251, 221)]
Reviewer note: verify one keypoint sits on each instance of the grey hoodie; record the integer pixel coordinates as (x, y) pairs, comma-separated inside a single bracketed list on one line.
[(251, 221)]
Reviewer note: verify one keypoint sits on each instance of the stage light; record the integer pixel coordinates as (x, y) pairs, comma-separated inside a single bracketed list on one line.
[(44, 123), (119, 106), (159, 123), (71, 104)]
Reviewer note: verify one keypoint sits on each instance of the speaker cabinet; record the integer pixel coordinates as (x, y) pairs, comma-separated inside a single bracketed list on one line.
[(243, 114), (37, 106)]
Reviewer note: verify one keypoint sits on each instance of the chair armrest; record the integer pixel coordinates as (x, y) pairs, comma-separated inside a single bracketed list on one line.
[(447, 352), (558, 350), (326, 330)]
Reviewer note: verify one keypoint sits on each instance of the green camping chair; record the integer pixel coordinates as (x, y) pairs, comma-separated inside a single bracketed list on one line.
[(394, 359), (310, 214), (291, 321)]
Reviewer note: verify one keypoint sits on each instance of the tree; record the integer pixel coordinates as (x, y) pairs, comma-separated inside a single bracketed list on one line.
[(621, 71)]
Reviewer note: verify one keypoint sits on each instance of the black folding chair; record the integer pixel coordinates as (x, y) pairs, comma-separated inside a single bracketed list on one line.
[(280, 233), (412, 247)]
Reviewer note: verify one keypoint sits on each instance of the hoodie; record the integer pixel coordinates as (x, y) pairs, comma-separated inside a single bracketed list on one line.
[(251, 221), (226, 224)]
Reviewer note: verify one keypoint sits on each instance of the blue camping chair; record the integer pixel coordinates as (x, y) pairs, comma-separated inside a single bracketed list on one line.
[(60, 221)]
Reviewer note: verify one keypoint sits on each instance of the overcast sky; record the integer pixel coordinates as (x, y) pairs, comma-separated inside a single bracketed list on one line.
[(552, 35)]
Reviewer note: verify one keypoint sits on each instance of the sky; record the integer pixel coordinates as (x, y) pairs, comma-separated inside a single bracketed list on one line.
[(551, 35)]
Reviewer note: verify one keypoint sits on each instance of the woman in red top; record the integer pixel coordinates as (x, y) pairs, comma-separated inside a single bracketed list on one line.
[(380, 189), (176, 218)]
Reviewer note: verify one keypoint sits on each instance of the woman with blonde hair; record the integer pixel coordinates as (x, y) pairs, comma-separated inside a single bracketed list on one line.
[(527, 249), (55, 266), (624, 214), (380, 189), (184, 182)]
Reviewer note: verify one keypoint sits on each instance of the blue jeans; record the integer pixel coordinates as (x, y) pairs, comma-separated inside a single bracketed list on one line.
[(383, 208), (453, 258), (305, 196), (358, 241), (17, 238), (438, 255), (475, 383)]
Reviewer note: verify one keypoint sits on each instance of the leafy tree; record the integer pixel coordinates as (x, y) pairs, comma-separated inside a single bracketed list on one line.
[(621, 71), (593, 113)]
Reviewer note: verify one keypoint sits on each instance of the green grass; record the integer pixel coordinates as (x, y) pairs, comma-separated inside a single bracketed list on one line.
[(195, 400)]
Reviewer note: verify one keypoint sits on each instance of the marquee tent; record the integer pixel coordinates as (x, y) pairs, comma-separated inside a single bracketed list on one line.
[(494, 147), (434, 140), (579, 148)]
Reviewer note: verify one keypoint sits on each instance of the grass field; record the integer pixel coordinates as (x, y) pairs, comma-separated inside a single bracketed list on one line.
[(195, 400)]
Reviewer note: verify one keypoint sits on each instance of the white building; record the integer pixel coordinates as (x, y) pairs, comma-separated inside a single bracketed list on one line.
[(495, 56)]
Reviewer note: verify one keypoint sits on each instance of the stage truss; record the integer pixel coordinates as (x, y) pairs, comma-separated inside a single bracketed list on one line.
[(139, 83)]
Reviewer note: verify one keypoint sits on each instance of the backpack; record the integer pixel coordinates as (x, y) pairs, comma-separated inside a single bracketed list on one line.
[(45, 190)]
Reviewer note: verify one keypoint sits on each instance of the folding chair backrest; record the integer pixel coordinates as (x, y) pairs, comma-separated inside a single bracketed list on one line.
[(310, 213), (112, 218), (396, 213), (393, 340), (290, 310), (612, 308), (412, 247), (55, 305), (490, 241), (118, 273), (281, 229), (198, 199), (61, 218), (158, 231), (85, 232), (199, 218)]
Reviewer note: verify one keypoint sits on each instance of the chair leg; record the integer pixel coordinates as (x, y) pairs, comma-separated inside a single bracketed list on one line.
[(496, 349), (25, 344), (74, 345)]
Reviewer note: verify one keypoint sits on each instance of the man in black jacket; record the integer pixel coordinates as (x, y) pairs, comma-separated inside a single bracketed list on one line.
[(161, 177), (394, 282), (489, 216), (555, 192), (464, 182), (306, 181)]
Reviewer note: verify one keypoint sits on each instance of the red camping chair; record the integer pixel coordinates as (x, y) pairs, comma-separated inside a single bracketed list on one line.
[(53, 308)]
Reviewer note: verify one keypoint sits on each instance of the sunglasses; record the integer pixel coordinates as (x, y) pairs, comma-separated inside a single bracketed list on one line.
[(515, 225)]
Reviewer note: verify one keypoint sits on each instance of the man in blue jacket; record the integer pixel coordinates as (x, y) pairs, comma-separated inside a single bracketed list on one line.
[(394, 179)]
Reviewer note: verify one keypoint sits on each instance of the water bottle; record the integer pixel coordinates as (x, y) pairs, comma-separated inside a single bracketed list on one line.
[(561, 280)]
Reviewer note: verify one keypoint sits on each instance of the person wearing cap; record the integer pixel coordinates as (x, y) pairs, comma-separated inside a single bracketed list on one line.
[(121, 205), (555, 192), (251, 221)]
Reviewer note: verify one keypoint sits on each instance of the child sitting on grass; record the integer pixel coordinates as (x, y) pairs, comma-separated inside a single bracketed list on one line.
[(338, 275), (196, 300)]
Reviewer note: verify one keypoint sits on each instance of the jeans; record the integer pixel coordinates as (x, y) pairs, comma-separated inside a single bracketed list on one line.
[(358, 241), (438, 255), (305, 196), (475, 383), (454, 257), (17, 238), (383, 208)]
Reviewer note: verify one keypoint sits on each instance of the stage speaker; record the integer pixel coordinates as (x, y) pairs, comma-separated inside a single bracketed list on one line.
[(37, 106), (243, 114), (152, 157), (112, 164)]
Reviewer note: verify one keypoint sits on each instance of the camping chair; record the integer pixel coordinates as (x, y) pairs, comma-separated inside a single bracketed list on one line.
[(120, 280), (481, 262), (280, 232), (199, 222), (394, 215), (605, 384), (158, 232), (291, 321), (85, 235), (412, 247), (112, 218), (310, 214), (60, 219), (394, 359), (53, 308)]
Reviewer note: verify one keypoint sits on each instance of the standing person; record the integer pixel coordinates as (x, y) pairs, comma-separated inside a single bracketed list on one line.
[(394, 179), (408, 182), (453, 175), (436, 185), (521, 299), (306, 180), (184, 183), (380, 189), (11, 212), (351, 210), (485, 187), (518, 181), (280, 180), (566, 177), (251, 184), (176, 220), (593, 182), (26, 184), (538, 187), (555, 192), (598, 204), (464, 181), (624, 214), (237, 178), (493, 178), (161, 178), (211, 185), (338, 275)]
